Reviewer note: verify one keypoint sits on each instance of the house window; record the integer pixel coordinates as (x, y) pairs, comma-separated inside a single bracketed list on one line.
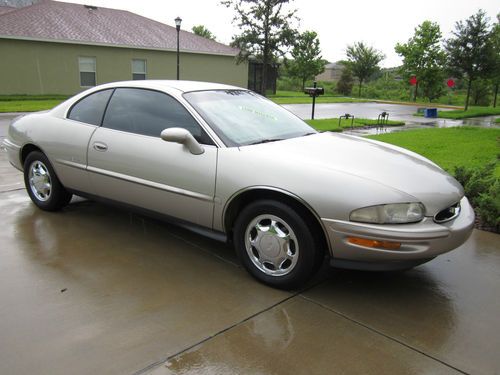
[(138, 69), (87, 71)]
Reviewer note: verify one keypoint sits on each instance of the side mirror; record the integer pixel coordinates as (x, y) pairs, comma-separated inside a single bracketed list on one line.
[(183, 136)]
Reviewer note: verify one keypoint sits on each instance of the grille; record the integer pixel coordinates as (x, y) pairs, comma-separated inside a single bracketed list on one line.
[(449, 213)]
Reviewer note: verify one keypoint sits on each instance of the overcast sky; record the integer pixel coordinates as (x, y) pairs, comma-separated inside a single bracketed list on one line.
[(380, 23)]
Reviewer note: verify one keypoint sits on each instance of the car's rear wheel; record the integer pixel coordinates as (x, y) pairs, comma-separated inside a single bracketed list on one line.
[(42, 184), (275, 244)]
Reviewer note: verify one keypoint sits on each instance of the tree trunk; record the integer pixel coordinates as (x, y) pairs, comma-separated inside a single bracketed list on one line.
[(476, 97), (416, 92), (265, 54), (303, 84), (469, 85), (359, 89), (495, 97)]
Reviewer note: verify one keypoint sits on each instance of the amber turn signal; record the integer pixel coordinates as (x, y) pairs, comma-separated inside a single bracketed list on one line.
[(374, 243)]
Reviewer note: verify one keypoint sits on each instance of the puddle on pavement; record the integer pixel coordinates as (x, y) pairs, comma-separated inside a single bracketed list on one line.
[(484, 122)]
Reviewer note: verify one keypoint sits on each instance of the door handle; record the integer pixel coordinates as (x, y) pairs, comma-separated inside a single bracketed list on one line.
[(99, 146)]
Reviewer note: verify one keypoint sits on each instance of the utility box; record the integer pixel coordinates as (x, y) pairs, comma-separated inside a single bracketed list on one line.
[(431, 112)]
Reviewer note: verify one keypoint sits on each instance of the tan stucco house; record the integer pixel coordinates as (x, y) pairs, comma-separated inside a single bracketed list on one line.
[(54, 47)]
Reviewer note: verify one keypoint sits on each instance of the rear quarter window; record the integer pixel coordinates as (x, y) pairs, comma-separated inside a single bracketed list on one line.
[(90, 109)]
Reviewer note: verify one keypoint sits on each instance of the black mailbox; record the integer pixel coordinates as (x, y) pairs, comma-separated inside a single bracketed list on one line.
[(314, 91)]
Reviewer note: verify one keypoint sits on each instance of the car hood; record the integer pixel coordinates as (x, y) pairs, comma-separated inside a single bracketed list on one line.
[(394, 167)]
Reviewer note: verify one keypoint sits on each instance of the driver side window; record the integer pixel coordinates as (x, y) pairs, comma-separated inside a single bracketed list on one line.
[(148, 112)]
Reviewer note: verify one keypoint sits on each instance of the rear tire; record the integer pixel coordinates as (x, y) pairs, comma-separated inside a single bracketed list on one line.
[(276, 245), (42, 184)]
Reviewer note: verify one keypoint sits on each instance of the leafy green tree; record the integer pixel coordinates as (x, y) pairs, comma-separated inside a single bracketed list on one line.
[(266, 30), (480, 92), (495, 42), (470, 52), (203, 31), (363, 61), (306, 53), (346, 81), (424, 58)]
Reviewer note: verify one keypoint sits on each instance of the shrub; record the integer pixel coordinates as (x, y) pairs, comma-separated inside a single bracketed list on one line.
[(483, 189), (488, 205), (344, 85)]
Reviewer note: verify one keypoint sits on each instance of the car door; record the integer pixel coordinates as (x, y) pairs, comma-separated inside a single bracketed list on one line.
[(129, 162), (67, 139)]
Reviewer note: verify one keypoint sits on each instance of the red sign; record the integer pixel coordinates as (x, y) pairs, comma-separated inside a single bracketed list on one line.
[(450, 83), (413, 80)]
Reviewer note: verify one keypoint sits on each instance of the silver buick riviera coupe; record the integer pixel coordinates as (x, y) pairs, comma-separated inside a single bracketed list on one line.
[(229, 163)]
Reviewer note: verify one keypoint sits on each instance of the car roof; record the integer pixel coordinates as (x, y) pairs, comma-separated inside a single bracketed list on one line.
[(183, 86)]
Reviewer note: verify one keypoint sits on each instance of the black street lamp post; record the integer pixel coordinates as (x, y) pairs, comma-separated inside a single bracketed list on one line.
[(178, 21)]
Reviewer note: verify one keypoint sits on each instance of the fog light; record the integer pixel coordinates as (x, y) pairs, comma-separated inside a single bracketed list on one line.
[(374, 243)]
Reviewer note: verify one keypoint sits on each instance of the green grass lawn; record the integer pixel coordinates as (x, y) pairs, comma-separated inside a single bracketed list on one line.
[(29, 103), (497, 120), (332, 124), (305, 99), (450, 147), (471, 112), (298, 97)]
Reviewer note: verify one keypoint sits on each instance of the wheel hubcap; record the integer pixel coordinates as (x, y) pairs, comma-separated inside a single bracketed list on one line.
[(271, 245), (40, 181)]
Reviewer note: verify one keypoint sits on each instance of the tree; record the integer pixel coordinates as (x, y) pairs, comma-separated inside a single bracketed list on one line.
[(307, 62), (266, 32), (495, 42), (203, 31), (363, 61), (480, 92), (424, 58), (346, 81), (470, 53)]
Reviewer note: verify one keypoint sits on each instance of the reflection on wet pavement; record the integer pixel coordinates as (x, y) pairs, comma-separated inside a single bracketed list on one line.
[(446, 308), (99, 290), (284, 341), (442, 317)]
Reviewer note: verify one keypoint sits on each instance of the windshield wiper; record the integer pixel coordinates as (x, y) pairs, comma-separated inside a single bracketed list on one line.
[(265, 141)]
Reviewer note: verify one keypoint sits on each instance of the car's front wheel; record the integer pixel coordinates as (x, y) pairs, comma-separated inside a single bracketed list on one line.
[(275, 244), (42, 184)]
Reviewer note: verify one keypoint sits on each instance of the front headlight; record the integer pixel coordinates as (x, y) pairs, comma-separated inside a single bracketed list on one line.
[(397, 213)]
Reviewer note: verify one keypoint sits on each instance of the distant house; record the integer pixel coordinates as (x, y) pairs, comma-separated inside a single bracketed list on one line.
[(62, 48), (332, 72)]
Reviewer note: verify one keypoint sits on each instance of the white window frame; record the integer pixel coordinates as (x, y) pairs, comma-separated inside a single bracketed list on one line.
[(145, 72), (80, 60)]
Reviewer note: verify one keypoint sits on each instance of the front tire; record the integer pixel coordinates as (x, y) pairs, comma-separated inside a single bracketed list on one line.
[(42, 184), (276, 245)]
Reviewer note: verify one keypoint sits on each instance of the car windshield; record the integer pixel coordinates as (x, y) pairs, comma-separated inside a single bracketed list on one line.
[(242, 117)]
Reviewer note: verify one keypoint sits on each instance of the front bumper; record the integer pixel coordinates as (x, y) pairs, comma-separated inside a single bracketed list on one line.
[(419, 242)]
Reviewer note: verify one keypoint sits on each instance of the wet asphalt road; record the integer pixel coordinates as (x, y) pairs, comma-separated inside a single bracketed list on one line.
[(94, 289), (396, 112), (361, 110)]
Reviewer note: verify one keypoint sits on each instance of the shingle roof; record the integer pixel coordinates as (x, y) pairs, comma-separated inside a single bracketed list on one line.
[(4, 9), (76, 23)]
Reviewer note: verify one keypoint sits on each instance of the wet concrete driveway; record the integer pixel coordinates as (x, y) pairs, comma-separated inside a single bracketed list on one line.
[(97, 290)]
